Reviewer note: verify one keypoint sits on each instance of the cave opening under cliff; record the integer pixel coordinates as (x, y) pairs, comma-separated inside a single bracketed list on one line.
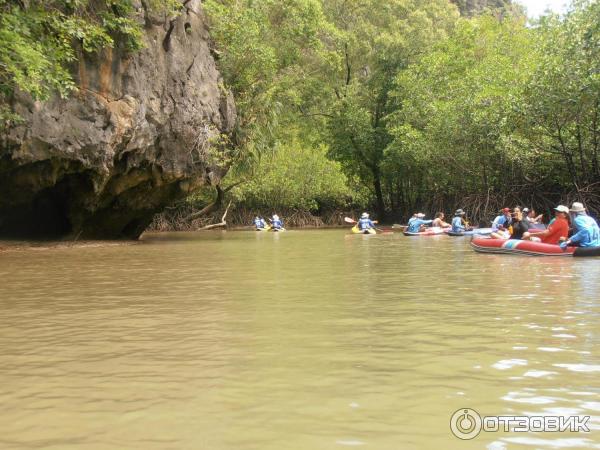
[(45, 214), (42, 218)]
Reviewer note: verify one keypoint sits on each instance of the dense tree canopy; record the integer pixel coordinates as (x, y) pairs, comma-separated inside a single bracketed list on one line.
[(398, 105), (432, 110)]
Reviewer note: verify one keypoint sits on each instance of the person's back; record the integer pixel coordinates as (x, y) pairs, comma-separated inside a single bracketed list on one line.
[(587, 233), (559, 228), (276, 223), (364, 223), (414, 226), (457, 225)]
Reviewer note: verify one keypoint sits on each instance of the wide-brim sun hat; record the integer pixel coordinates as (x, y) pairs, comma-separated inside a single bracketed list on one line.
[(562, 209), (420, 215), (364, 216), (577, 207), (459, 212)]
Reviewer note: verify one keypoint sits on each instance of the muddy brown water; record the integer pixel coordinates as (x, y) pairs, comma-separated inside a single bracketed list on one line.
[(300, 340)]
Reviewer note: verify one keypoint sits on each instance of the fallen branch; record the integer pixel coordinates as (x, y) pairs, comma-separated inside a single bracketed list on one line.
[(222, 223)]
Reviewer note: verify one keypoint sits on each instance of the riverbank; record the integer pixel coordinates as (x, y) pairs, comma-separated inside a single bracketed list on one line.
[(188, 218), (8, 246)]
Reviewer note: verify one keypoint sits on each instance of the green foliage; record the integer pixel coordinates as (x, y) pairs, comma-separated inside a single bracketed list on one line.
[(500, 107), (374, 42), (560, 112), (457, 107), (264, 49), (298, 177)]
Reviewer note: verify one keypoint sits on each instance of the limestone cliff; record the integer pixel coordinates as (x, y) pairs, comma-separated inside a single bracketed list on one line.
[(141, 132), (474, 7)]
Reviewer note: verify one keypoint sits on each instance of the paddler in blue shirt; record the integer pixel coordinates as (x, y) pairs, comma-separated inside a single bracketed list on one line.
[(259, 223), (501, 224), (586, 231), (502, 221), (276, 223), (364, 223), (415, 223), (458, 225)]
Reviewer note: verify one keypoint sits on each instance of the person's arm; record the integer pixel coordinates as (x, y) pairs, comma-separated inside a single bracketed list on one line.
[(581, 235), (547, 232), (578, 237)]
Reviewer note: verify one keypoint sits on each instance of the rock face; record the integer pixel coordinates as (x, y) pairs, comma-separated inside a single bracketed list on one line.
[(474, 7), (142, 131)]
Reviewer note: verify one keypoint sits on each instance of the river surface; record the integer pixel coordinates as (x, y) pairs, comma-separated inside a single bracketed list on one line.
[(300, 340)]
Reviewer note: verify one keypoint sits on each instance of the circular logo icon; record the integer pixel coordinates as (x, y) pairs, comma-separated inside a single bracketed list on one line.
[(465, 423)]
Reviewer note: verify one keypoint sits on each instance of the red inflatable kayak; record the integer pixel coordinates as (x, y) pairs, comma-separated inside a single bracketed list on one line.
[(529, 248)]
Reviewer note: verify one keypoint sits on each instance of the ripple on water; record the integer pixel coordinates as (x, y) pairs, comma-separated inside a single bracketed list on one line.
[(552, 443), (539, 373), (528, 398), (586, 368), (506, 364)]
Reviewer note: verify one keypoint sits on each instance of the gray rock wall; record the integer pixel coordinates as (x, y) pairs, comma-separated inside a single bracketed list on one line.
[(142, 131)]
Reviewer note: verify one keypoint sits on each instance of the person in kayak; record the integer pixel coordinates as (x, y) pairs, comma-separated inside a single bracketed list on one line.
[(501, 224), (260, 223), (458, 222), (585, 228), (364, 223), (502, 221), (557, 231), (416, 222), (276, 223), (519, 226), (529, 216), (439, 221)]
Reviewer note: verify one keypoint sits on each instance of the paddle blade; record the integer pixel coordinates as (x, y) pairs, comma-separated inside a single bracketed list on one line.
[(349, 220)]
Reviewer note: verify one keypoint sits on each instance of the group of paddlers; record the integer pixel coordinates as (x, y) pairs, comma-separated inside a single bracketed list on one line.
[(569, 226), (276, 224)]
